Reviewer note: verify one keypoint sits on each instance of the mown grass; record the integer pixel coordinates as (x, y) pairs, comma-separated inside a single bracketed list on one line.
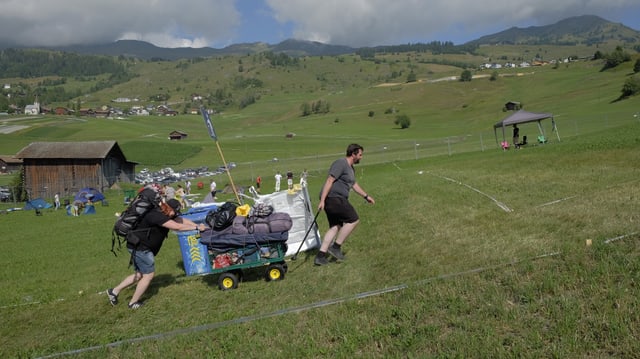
[(449, 272)]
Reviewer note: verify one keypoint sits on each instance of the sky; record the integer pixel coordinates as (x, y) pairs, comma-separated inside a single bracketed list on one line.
[(220, 23)]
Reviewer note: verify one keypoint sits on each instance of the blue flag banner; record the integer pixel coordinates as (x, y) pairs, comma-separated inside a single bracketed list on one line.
[(207, 121)]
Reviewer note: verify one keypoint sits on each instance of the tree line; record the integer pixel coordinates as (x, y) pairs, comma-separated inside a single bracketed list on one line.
[(26, 63), (30, 63)]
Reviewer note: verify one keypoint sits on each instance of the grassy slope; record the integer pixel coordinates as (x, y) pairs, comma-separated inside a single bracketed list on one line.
[(580, 96), (445, 250)]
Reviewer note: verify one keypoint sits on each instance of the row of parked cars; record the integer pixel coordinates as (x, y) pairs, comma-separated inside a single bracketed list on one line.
[(5, 194), (163, 176), (168, 175)]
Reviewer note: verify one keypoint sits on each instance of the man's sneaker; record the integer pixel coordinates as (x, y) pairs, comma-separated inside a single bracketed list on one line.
[(320, 261), (113, 298), (136, 305), (336, 252)]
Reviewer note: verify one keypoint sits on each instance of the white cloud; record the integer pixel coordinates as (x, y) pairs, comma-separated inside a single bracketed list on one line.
[(198, 23), (164, 23), (375, 22)]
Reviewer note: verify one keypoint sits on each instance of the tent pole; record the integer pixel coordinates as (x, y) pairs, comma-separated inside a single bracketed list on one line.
[(554, 128), (541, 129)]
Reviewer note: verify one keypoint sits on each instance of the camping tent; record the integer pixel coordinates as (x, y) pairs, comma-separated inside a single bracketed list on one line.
[(524, 117), (84, 194), (37, 203)]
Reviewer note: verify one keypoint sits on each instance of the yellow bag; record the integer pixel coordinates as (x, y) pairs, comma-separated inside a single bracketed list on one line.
[(243, 210)]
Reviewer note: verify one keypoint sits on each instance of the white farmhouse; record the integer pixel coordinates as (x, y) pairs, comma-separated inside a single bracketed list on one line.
[(32, 109)]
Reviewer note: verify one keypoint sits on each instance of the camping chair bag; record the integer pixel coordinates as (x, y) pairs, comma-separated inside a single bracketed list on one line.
[(274, 223)]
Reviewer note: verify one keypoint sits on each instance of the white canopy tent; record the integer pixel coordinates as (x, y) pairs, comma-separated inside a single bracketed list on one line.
[(522, 116)]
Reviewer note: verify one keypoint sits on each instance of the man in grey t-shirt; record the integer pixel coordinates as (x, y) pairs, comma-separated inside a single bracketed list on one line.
[(334, 199)]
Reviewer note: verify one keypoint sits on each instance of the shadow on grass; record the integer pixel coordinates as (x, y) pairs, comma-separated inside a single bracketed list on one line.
[(159, 281)]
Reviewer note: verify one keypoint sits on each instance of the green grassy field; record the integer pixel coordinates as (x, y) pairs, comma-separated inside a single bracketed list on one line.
[(479, 254), (470, 251)]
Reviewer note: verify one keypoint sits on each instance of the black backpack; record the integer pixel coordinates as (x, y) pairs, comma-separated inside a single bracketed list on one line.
[(146, 200), (222, 217)]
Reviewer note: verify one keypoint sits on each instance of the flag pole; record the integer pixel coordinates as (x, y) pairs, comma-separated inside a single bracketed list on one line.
[(227, 169), (212, 133)]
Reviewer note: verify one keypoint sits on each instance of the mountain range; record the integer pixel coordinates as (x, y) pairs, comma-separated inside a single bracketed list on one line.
[(585, 30)]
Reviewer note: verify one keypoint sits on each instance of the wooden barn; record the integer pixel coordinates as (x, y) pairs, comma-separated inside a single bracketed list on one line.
[(177, 135), (66, 167), (9, 164), (512, 106)]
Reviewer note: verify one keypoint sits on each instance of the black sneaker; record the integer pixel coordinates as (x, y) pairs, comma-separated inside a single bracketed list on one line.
[(113, 298), (136, 305), (320, 261), (336, 252)]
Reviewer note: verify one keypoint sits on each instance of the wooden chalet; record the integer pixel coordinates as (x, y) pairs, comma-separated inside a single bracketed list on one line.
[(87, 112), (177, 135), (62, 111), (9, 164), (66, 167), (513, 106)]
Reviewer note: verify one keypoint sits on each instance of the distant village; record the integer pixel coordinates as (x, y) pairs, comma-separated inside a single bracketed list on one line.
[(525, 64), (105, 111)]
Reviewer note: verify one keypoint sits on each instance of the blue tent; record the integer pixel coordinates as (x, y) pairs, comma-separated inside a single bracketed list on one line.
[(87, 193), (90, 209), (37, 203)]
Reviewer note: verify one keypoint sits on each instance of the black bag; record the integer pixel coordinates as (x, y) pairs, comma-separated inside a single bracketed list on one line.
[(261, 210), (222, 217), (146, 200)]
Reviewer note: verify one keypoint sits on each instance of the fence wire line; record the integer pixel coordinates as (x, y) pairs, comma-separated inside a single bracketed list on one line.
[(498, 203)]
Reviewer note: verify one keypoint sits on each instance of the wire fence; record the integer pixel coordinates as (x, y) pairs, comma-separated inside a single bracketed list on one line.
[(386, 151), (379, 151)]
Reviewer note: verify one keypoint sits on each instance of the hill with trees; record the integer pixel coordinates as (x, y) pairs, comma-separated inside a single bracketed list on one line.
[(580, 30), (247, 74)]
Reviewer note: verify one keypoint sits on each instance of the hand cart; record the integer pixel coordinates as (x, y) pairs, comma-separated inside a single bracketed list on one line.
[(230, 255), (237, 253)]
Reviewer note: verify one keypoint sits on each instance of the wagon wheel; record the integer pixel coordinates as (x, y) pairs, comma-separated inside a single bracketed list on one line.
[(227, 281), (275, 272)]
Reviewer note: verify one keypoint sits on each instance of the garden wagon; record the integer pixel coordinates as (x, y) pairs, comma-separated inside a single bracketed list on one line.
[(238, 253), (231, 255)]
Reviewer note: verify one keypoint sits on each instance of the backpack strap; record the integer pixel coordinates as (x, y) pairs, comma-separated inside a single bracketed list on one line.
[(115, 237)]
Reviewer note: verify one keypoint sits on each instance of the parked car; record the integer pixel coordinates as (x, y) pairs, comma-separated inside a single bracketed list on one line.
[(5, 195)]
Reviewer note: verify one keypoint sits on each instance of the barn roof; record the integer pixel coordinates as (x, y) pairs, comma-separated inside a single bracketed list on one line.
[(10, 159), (92, 149)]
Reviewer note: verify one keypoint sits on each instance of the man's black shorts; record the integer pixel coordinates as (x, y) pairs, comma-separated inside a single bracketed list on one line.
[(339, 211)]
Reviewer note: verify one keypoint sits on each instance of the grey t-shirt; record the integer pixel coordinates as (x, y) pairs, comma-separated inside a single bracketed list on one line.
[(345, 178)]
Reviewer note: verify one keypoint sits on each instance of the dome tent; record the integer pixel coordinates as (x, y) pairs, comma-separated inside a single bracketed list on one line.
[(87, 193)]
